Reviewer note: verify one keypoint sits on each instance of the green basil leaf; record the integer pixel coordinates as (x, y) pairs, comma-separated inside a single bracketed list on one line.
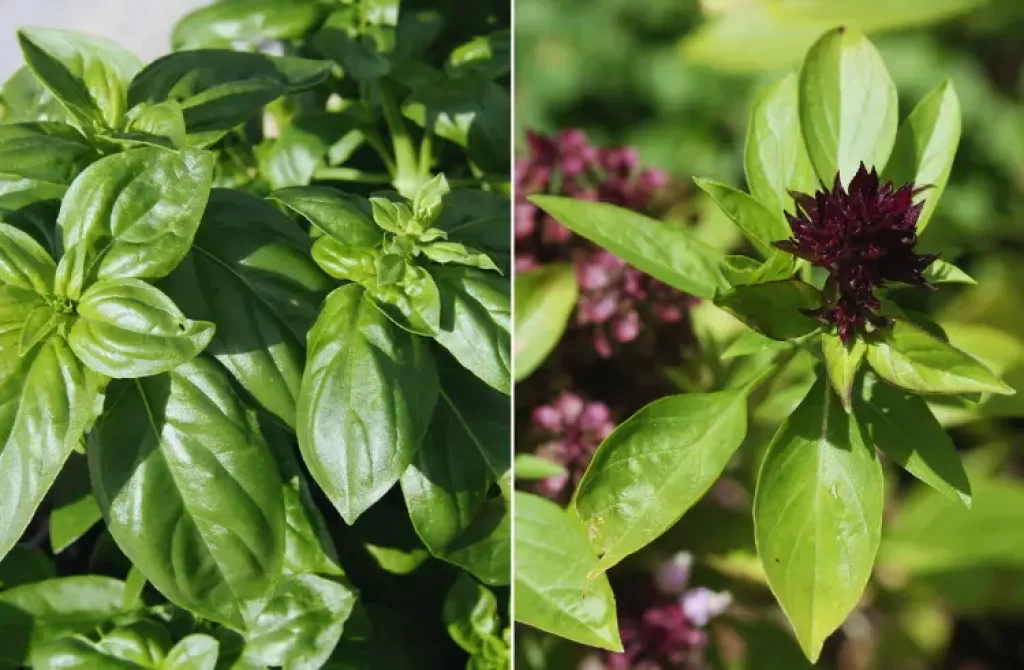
[(350, 264), (761, 225), (134, 214), (485, 550), (532, 467), (471, 615), (909, 357), (354, 39), (87, 74), (458, 253), (246, 22), (160, 124), (774, 308), (195, 652), (941, 272), (127, 329), (342, 217), (25, 99), (220, 89), (190, 491), (558, 587), (841, 364), (250, 274), (669, 254), (544, 300), (40, 323), (483, 410), (479, 219), (70, 522), (16, 306), (302, 623), (309, 142), (34, 615), (925, 147), (743, 270), (394, 217), (818, 516), (427, 201), (47, 401), (775, 157), (413, 301), (654, 467), (25, 565), (847, 105), (475, 323), (139, 646), (903, 427), (24, 264), (489, 56), (751, 342), (367, 397), (39, 160)]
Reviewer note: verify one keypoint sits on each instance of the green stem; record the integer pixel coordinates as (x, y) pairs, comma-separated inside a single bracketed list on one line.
[(427, 152), (407, 173), (351, 175), (376, 143)]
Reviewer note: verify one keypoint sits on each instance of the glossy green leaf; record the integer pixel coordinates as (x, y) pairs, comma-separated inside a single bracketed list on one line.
[(71, 521), (302, 623), (39, 160), (367, 396), (249, 22), (250, 274), (47, 401), (925, 147), (471, 617), (160, 124), (751, 342), (479, 219), (483, 410), (33, 615), (909, 357), (413, 300), (667, 253), (87, 74), (775, 157), (485, 549), (458, 254), (23, 98), (195, 652), (306, 144), (40, 323), (818, 516), (842, 361), (761, 225), (558, 588), (774, 308), (340, 216), (24, 264), (190, 491), (902, 426), (848, 105), (127, 329), (941, 272), (221, 89), (544, 300), (132, 215), (353, 39), (357, 264), (476, 322), (654, 467), (530, 467), (139, 646), (25, 565)]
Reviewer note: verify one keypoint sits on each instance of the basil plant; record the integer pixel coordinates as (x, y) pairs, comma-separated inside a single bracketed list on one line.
[(254, 344), (839, 193)]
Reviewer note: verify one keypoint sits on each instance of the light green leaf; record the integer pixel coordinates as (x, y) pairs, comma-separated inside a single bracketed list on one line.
[(471, 616), (903, 427), (160, 124), (408, 295), (847, 105), (818, 516), (544, 300), (195, 652), (426, 202), (941, 272), (249, 22), (128, 329), (925, 147), (24, 264), (40, 323), (132, 215), (366, 401), (458, 253), (774, 308), (842, 361), (71, 521), (531, 467), (558, 588), (340, 216), (485, 549), (654, 467), (775, 157), (752, 342), (761, 225), (189, 490), (667, 253), (912, 359), (39, 160)]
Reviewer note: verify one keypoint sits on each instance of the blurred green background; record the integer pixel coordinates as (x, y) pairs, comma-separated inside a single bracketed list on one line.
[(675, 78)]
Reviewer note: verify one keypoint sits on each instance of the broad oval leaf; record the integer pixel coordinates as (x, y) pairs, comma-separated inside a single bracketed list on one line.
[(337, 214), (545, 299), (194, 652), (127, 329), (925, 147), (941, 272), (134, 214), (842, 361), (471, 615), (367, 397), (476, 322), (774, 309), (247, 22), (818, 516), (667, 253), (47, 401), (190, 491), (847, 105), (25, 99), (139, 646), (558, 588), (412, 300), (39, 160), (250, 274), (775, 156), (902, 426), (24, 264), (654, 467), (761, 225), (913, 359)]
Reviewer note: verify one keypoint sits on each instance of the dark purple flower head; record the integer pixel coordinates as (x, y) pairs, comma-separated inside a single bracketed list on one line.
[(864, 236), (572, 428)]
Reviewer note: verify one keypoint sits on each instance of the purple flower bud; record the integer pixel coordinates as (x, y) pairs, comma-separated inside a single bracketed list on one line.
[(525, 220), (552, 232), (701, 605), (570, 406), (672, 577), (627, 327), (548, 418), (595, 416)]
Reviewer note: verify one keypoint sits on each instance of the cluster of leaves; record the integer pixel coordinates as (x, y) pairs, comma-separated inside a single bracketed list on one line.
[(817, 510), (193, 333)]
